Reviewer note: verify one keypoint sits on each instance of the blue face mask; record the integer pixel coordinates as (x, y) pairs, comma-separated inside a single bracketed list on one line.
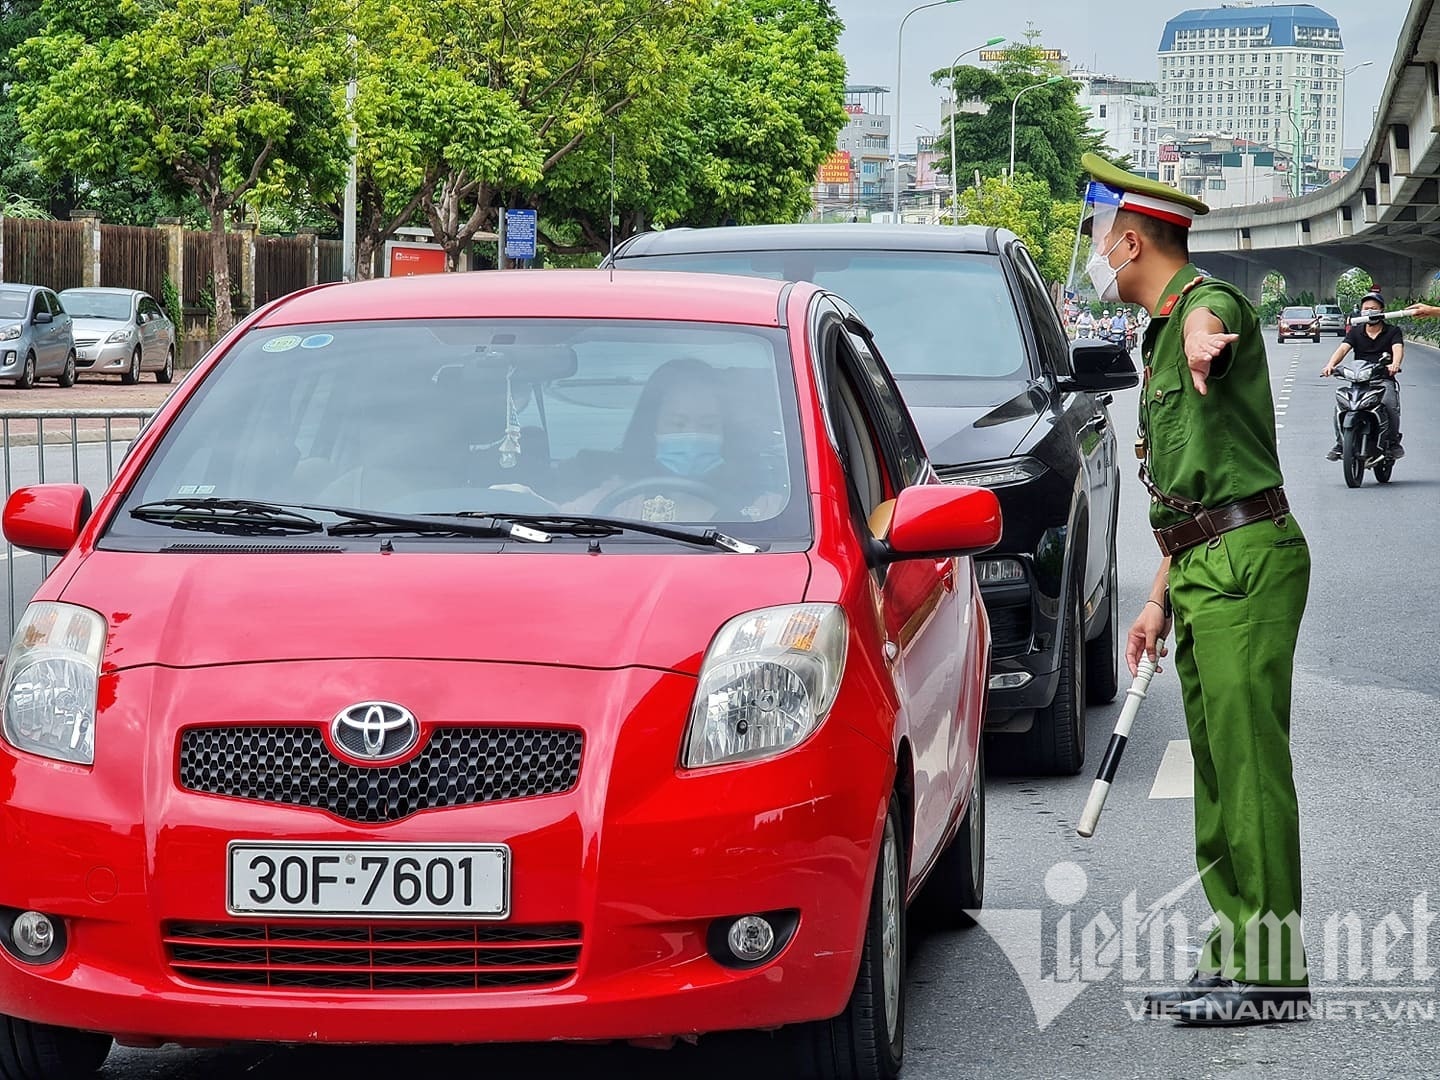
[(689, 453)]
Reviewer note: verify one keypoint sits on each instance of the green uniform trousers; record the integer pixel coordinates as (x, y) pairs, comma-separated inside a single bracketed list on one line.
[(1238, 604)]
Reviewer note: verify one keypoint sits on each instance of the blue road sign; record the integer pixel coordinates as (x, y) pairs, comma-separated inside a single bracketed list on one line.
[(520, 234)]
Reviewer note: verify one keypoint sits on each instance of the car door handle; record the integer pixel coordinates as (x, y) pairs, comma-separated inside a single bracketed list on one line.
[(1098, 423), (947, 577), (892, 651)]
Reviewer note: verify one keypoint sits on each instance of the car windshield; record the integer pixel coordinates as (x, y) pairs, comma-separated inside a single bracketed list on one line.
[(644, 420), (1328, 310), (936, 315), (84, 304), (1299, 313), (14, 304)]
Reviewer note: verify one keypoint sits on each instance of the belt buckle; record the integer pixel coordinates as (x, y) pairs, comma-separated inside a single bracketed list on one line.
[(1276, 504)]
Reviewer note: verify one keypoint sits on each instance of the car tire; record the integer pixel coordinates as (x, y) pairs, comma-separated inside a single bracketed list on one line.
[(40, 1052), (131, 375), (1351, 459), (167, 373), (1055, 743), (867, 1040), (26, 378), (957, 884), (67, 375), (1102, 654)]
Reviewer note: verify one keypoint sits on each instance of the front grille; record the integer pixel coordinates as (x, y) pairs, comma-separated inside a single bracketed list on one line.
[(378, 956), (458, 766), (1009, 628), (81, 340)]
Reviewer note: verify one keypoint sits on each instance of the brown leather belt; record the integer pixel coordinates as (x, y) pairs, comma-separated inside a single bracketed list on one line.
[(1208, 525)]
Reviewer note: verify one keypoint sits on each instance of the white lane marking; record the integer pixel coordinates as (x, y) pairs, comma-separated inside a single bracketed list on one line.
[(1175, 778)]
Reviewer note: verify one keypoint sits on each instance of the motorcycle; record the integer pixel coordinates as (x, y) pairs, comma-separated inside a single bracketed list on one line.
[(1361, 410)]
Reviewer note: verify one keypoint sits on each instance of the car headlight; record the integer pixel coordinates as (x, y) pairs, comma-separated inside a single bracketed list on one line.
[(11, 332), (51, 682), (768, 680), (994, 473), (119, 335)]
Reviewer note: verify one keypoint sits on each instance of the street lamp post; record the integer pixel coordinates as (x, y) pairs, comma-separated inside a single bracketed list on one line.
[(899, 74), (1015, 105), (954, 109), (1345, 74)]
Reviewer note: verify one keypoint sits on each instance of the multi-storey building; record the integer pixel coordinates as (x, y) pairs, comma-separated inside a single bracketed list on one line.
[(1263, 73), (1127, 112)]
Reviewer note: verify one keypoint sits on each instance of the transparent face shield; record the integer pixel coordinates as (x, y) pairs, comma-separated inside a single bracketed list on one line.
[(1102, 203)]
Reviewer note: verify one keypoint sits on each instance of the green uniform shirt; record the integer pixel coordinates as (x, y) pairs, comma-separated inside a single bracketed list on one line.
[(1219, 448)]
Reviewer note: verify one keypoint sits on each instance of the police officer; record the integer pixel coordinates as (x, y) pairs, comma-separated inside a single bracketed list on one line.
[(1234, 579)]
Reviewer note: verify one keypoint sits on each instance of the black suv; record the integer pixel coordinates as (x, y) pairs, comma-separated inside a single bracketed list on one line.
[(964, 321)]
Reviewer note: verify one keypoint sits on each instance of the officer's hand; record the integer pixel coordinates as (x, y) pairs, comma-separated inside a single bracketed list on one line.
[(1425, 311), (1202, 350), (1147, 637)]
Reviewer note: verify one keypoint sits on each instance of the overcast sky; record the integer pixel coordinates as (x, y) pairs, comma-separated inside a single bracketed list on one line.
[(1118, 38)]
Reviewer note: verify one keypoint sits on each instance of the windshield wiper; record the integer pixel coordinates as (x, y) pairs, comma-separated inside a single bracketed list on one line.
[(597, 525), (241, 517), (373, 522)]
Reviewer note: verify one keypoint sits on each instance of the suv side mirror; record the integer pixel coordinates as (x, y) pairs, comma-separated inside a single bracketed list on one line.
[(1098, 366), (46, 518)]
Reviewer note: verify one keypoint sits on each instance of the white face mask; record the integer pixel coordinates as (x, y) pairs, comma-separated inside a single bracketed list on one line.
[(1105, 277)]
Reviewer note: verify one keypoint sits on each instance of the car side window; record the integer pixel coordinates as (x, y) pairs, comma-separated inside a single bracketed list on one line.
[(893, 415), (37, 305), (149, 310), (1049, 338), (53, 303), (870, 473)]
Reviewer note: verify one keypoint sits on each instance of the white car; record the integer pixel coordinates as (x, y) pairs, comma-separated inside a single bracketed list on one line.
[(121, 332)]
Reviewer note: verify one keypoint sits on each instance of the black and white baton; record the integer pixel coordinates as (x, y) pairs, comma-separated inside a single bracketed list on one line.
[(1111, 762), (1372, 316)]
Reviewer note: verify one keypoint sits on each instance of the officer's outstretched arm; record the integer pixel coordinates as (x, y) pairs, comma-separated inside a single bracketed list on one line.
[(1205, 342)]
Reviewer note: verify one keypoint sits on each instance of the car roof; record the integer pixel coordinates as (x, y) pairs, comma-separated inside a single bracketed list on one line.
[(105, 289), (20, 285), (969, 239), (524, 294)]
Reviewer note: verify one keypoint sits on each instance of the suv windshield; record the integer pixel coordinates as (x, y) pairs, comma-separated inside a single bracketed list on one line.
[(1299, 313), (936, 315), (649, 421), (83, 304)]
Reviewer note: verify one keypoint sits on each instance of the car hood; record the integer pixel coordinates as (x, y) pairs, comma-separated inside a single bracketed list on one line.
[(612, 610), (961, 435), (103, 327)]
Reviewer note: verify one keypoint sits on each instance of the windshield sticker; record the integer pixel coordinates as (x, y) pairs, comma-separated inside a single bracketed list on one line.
[(282, 344), (317, 341), (195, 489)]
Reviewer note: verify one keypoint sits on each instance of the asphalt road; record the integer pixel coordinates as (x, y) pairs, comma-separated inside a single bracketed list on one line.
[(1367, 702)]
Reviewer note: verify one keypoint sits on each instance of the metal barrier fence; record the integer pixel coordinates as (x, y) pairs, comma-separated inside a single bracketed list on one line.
[(35, 445)]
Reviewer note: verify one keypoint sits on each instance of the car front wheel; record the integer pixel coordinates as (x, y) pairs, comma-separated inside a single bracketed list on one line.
[(867, 1040), (1055, 743), (131, 375), (39, 1052), (1103, 653), (26, 381), (67, 375), (166, 373)]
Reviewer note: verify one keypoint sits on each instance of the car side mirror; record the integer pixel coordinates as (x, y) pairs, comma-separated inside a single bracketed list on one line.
[(46, 518), (1098, 366), (938, 521), (42, 317)]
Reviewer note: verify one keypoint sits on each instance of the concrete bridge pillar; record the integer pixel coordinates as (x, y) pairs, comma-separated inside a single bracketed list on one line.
[(1244, 274)]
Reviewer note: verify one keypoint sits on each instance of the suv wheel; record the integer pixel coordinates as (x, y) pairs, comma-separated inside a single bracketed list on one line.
[(1055, 743), (1103, 653)]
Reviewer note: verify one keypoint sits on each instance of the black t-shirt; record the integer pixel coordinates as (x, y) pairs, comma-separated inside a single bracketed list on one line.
[(1368, 349)]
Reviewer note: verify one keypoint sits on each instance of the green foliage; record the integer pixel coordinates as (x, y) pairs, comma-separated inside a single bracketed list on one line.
[(170, 300), (1051, 132), (1026, 208)]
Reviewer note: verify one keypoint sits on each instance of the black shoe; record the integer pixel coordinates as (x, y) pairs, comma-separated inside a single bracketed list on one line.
[(1200, 983), (1396, 451), (1335, 452), (1237, 1003)]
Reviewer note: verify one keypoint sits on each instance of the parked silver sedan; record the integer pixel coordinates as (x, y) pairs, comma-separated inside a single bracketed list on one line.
[(35, 338), (121, 332)]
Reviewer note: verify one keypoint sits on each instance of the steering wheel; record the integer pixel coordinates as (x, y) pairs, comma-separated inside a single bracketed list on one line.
[(669, 485)]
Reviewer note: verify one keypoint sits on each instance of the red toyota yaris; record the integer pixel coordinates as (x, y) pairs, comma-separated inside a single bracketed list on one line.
[(497, 657)]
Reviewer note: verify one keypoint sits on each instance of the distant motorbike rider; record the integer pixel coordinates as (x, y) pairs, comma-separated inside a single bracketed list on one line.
[(1084, 324), (1117, 327), (1373, 342)]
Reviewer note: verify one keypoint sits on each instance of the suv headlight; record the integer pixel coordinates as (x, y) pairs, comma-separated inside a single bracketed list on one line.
[(994, 473), (768, 680), (51, 682), (11, 332), (123, 334)]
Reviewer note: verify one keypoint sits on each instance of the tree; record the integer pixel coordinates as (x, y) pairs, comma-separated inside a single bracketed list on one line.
[(229, 100), (20, 181), (1025, 207), (1051, 133), (759, 111)]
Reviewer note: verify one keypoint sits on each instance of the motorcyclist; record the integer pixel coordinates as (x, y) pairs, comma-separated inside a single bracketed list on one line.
[(1374, 341), (1084, 323), (1117, 327)]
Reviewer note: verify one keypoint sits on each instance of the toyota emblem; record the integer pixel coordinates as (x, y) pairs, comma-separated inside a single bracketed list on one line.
[(375, 730)]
